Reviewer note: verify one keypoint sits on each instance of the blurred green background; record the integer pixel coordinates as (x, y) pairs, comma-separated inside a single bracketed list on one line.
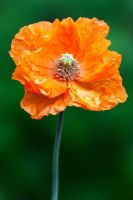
[(97, 148)]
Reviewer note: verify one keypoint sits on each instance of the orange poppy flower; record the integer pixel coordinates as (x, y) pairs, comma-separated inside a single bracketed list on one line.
[(67, 63)]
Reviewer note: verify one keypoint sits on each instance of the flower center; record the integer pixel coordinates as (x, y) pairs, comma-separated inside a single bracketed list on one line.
[(67, 68)]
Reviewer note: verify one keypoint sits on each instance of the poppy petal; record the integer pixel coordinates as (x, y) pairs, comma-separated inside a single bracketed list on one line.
[(84, 97), (65, 38), (92, 33), (39, 106), (90, 27), (100, 95), (29, 38), (104, 67), (37, 72)]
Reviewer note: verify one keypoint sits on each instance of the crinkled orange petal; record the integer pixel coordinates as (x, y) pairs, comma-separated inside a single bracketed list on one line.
[(39, 106), (37, 72), (29, 38), (104, 67), (100, 95), (91, 27), (84, 97), (65, 37), (92, 33)]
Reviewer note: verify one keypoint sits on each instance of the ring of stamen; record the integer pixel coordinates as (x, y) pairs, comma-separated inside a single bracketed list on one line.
[(67, 68)]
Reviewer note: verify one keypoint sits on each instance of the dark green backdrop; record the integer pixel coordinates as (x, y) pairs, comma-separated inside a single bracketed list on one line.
[(97, 148)]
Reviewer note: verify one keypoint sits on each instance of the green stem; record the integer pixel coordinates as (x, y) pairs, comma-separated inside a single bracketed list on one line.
[(56, 152)]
